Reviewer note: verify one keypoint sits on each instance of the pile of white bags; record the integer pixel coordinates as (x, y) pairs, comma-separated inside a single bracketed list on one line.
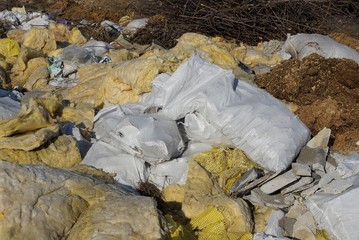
[(214, 108)]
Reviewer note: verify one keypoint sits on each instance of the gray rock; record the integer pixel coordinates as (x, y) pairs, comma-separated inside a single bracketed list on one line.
[(321, 140), (238, 187), (305, 187), (287, 224), (258, 197), (305, 227), (302, 182), (311, 156), (245, 190), (310, 191), (300, 169), (279, 182)]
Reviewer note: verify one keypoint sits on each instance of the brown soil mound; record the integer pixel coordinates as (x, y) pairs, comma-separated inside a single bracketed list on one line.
[(77, 10), (326, 91), (346, 40)]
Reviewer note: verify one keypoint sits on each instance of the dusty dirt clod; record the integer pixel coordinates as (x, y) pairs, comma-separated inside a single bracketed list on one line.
[(326, 91)]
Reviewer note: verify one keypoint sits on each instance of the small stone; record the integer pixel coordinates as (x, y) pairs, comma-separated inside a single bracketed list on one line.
[(296, 210), (248, 177), (258, 197), (246, 189), (310, 191), (305, 187), (302, 182), (287, 224), (301, 169), (279, 182), (311, 156), (318, 167), (320, 140), (305, 227)]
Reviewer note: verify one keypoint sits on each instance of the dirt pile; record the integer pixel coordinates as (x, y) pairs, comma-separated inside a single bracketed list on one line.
[(326, 91), (346, 40)]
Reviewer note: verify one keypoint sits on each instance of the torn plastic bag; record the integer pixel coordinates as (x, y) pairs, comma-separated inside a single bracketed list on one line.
[(9, 17), (111, 26), (134, 25), (197, 128), (145, 135), (9, 104), (301, 45), (169, 172), (77, 55), (97, 48), (249, 117), (41, 21), (336, 213), (348, 165), (131, 170), (64, 69)]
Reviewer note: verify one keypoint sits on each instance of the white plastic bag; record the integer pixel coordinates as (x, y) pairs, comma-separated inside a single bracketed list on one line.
[(197, 128), (42, 21), (149, 136), (134, 25), (130, 170), (97, 48), (301, 45), (337, 214), (249, 117), (348, 165)]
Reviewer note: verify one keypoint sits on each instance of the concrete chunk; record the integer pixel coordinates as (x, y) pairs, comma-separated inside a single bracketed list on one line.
[(279, 182), (301, 169)]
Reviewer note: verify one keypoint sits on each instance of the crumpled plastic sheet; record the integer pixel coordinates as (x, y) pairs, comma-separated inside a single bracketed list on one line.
[(301, 45), (249, 117)]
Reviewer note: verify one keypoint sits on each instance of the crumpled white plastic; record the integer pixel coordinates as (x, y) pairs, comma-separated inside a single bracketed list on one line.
[(149, 136), (247, 116), (336, 213), (130, 170), (348, 165), (97, 48), (301, 45)]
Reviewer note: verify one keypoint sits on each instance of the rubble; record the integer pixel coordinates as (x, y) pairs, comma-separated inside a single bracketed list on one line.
[(301, 169), (279, 182), (94, 124)]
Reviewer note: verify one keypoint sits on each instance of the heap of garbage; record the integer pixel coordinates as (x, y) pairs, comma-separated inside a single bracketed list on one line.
[(117, 140)]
